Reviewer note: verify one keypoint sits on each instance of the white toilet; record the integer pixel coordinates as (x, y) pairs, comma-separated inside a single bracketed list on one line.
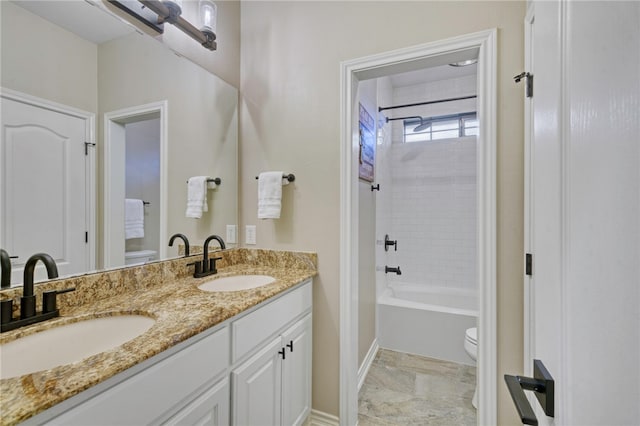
[(139, 257), (471, 347)]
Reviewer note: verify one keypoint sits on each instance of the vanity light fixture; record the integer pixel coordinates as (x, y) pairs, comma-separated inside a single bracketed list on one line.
[(171, 11), (175, 10)]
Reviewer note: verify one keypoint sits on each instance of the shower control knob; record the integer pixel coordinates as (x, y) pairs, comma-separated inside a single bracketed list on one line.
[(388, 242)]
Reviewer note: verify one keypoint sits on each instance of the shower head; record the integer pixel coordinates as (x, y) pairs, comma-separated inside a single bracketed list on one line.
[(424, 125)]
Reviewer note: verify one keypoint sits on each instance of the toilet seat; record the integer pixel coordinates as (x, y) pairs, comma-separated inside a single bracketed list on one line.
[(471, 335)]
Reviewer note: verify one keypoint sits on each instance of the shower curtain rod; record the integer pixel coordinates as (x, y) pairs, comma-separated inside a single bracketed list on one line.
[(427, 103)]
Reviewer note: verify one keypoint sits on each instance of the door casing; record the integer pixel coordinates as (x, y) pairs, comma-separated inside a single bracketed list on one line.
[(351, 72)]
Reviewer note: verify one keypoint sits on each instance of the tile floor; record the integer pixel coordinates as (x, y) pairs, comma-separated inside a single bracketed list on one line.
[(404, 389)]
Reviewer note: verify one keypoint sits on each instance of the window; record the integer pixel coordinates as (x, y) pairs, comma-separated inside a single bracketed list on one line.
[(442, 127)]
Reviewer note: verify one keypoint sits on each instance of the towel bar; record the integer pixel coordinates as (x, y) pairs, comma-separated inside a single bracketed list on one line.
[(217, 181), (290, 177)]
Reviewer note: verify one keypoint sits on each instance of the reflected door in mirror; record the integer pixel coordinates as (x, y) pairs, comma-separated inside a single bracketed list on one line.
[(44, 183)]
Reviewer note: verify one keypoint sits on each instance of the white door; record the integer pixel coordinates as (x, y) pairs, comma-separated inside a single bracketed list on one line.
[(257, 387), (582, 307), (296, 373), (44, 187)]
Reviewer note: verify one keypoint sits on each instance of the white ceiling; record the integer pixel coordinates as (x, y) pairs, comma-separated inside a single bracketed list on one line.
[(428, 75), (80, 17)]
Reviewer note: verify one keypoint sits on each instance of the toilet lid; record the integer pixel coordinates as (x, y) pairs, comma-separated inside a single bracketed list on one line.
[(472, 334)]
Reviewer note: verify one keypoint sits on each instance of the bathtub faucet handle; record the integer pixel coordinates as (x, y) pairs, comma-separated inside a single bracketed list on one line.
[(388, 242), (396, 270)]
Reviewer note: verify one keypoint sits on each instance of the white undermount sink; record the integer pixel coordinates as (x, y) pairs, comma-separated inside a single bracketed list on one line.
[(69, 343), (236, 283)]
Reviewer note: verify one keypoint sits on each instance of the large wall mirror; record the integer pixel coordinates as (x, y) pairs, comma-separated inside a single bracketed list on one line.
[(74, 75)]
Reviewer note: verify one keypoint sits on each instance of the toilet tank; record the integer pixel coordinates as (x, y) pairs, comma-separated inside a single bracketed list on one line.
[(140, 256)]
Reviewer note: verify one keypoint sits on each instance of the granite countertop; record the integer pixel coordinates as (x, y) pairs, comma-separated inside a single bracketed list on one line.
[(180, 309)]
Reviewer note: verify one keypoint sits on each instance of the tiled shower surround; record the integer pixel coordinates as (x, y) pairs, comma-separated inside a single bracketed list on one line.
[(433, 212)]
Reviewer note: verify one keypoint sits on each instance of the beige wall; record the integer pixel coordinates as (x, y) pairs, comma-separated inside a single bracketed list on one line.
[(43, 60), (290, 56)]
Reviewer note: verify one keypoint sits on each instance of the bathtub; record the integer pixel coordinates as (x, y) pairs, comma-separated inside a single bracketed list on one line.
[(426, 321)]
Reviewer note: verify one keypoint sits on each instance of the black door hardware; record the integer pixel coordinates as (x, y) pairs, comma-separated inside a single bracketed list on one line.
[(528, 264), (290, 345), (282, 352), (86, 147), (542, 384), (388, 242), (375, 187)]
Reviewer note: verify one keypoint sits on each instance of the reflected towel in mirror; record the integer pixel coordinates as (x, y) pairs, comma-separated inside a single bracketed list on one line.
[(133, 218)]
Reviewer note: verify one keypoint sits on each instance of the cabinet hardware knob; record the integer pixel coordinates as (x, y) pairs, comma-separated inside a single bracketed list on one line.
[(282, 352), (290, 345)]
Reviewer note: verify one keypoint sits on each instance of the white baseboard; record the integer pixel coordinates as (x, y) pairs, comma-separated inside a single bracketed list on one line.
[(318, 418), (366, 363)]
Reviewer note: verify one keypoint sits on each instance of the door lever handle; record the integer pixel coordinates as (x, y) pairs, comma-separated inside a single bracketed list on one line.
[(542, 384)]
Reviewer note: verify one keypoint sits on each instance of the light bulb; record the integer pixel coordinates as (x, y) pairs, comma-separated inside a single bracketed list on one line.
[(208, 16)]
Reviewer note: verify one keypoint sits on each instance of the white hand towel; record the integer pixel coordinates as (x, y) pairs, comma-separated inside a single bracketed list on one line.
[(133, 218), (269, 195), (197, 196)]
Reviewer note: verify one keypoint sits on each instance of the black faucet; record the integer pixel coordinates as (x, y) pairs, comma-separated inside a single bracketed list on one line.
[(208, 266), (28, 300), (214, 237), (396, 270), (184, 239), (5, 264)]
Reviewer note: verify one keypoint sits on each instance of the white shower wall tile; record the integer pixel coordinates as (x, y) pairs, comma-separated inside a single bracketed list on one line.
[(433, 212)]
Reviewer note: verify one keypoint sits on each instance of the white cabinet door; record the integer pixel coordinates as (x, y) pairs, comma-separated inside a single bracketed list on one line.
[(210, 409), (296, 373), (257, 385)]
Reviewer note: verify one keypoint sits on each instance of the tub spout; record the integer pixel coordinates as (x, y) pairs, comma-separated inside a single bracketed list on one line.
[(396, 270)]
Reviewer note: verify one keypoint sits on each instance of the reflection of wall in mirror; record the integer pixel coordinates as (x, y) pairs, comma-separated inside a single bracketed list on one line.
[(202, 129), (41, 59), (142, 179)]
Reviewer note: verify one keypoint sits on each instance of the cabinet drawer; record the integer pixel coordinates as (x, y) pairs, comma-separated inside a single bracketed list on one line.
[(251, 331), (159, 389)]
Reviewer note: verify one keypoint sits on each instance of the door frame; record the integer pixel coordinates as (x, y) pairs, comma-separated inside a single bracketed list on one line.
[(114, 120), (89, 119), (383, 64)]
